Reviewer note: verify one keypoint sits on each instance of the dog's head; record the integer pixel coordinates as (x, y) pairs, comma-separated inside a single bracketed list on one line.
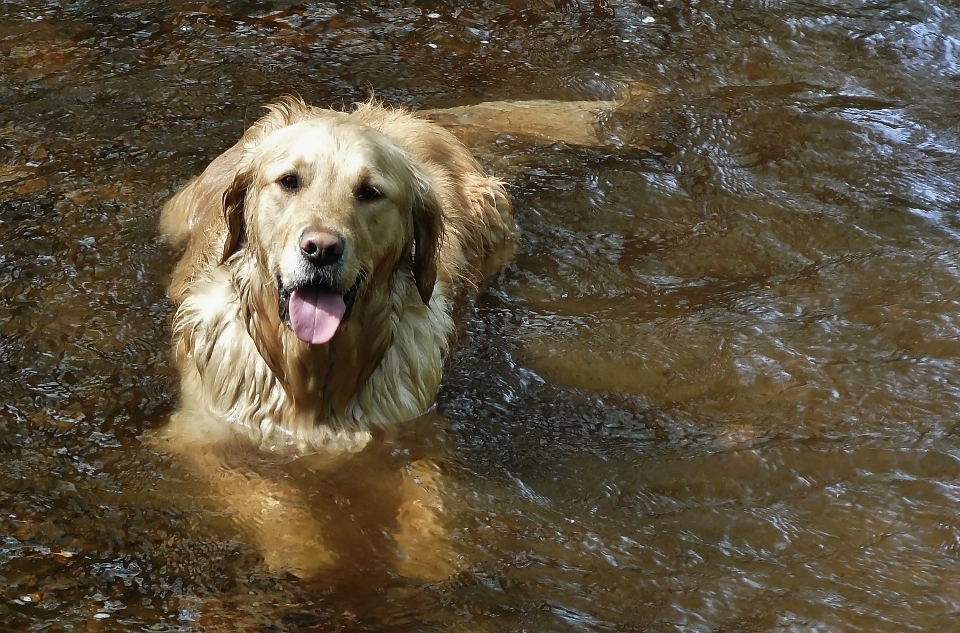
[(325, 207)]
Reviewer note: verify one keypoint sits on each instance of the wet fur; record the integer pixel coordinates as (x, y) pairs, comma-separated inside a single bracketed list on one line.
[(243, 371)]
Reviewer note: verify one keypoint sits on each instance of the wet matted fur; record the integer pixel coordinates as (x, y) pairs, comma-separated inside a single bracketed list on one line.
[(407, 217)]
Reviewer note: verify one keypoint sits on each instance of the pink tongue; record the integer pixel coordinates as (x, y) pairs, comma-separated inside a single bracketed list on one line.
[(315, 315)]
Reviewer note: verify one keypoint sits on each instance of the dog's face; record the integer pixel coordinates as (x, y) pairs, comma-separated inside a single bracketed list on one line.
[(327, 206)]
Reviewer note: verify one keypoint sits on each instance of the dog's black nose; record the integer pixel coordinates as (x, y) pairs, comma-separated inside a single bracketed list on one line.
[(321, 248)]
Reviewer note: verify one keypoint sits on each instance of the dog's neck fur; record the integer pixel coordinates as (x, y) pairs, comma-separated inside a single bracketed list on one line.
[(382, 367)]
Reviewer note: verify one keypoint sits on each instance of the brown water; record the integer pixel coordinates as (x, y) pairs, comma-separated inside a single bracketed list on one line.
[(717, 390)]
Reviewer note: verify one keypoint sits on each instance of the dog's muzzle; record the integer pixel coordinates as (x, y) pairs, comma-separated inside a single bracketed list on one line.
[(314, 311), (315, 307)]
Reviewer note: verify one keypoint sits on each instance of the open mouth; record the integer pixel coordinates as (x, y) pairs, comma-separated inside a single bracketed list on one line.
[(315, 311)]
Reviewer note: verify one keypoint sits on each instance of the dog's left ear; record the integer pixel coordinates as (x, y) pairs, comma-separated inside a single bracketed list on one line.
[(427, 235)]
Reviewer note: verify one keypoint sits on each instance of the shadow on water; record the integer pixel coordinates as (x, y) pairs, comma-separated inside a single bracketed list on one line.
[(715, 390)]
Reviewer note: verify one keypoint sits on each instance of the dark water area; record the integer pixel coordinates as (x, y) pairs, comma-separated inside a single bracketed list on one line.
[(717, 389)]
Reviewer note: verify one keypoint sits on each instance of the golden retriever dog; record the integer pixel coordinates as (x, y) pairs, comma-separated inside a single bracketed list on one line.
[(323, 253)]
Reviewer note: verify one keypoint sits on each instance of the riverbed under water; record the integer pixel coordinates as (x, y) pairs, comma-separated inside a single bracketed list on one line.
[(717, 389)]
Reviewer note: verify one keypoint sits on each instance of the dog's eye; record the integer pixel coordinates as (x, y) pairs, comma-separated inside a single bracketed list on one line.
[(290, 182), (368, 193)]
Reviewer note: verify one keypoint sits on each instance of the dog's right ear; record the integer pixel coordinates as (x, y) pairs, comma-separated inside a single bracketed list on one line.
[(206, 217), (234, 198)]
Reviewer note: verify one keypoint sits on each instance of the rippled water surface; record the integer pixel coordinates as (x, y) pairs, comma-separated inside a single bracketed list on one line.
[(717, 389)]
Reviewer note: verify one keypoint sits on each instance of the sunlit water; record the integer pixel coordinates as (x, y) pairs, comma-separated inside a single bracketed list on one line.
[(717, 389)]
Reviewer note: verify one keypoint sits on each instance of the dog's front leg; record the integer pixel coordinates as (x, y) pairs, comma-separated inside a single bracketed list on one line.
[(275, 514), (425, 551), (270, 511)]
